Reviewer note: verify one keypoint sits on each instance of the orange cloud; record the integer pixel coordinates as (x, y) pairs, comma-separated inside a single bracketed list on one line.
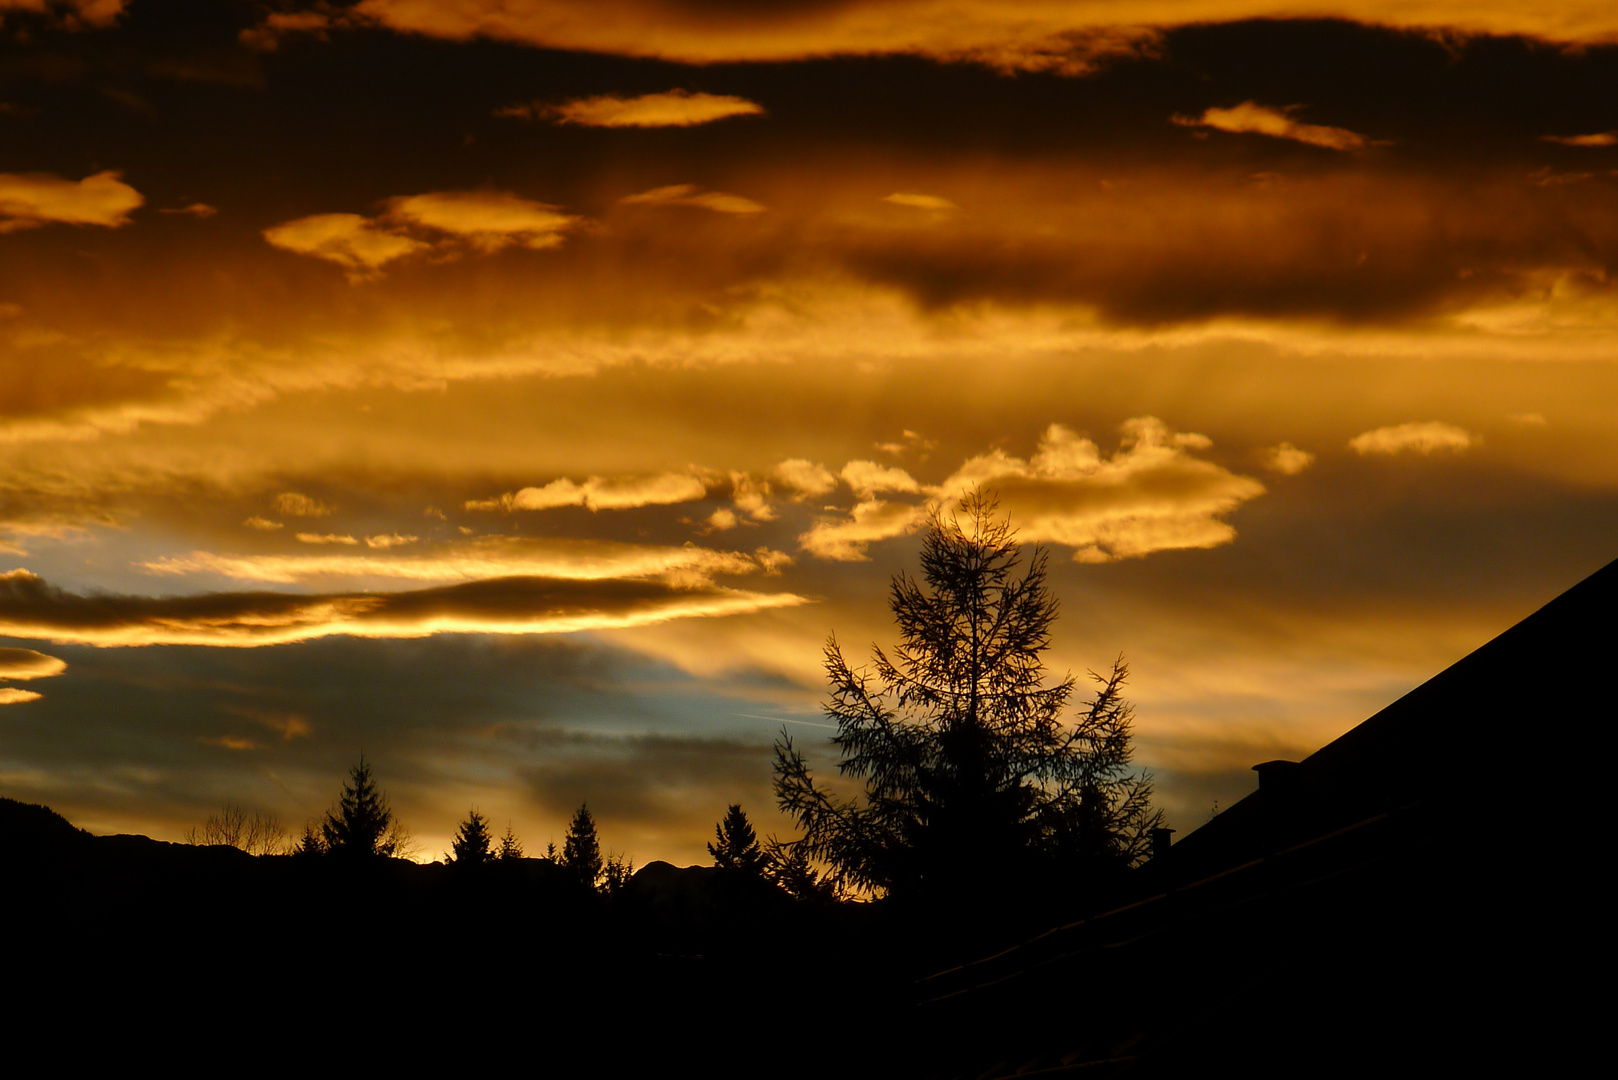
[(386, 541), (488, 220), (805, 477), (296, 504), (600, 493), (1150, 495), (29, 200), (689, 195), (1277, 124), (866, 478), (1602, 138), (1286, 459), (70, 14), (918, 201), (326, 538), (1426, 438), (846, 539), (22, 665), (676, 108), (356, 243)]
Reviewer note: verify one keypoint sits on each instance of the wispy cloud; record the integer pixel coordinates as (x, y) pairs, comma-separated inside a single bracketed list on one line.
[(689, 195), (32, 608), (1286, 459), (488, 220), (360, 245), (804, 477), (675, 108), (1600, 138), (467, 560), (600, 493), (1249, 117), (440, 221), (918, 201), (1429, 437), (297, 504), (845, 539)]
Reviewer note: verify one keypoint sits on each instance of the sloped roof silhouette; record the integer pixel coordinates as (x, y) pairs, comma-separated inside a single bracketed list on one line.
[(1409, 891)]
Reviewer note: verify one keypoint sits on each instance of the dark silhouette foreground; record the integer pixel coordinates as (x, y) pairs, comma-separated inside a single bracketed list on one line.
[(1398, 902)]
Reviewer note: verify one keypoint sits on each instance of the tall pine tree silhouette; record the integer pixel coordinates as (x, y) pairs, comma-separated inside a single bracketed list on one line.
[(472, 844), (358, 828), (581, 851), (735, 845)]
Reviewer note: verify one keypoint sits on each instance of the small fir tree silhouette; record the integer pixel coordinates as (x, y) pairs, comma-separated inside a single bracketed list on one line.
[(510, 846), (787, 864), (735, 845), (615, 873), (362, 826), (581, 850), (311, 843), (471, 846)]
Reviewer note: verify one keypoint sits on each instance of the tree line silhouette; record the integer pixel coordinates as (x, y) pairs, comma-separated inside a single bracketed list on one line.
[(973, 773)]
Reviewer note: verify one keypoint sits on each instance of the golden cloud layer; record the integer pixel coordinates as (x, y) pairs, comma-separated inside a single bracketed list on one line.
[(676, 108), (1426, 438), (1276, 123), (600, 493), (469, 560), (29, 200), (31, 608), (20, 665), (1064, 35)]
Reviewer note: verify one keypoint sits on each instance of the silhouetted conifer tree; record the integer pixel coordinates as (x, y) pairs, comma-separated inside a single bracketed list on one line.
[(971, 774), (510, 846), (735, 845), (362, 826), (311, 844), (615, 873), (581, 850), (787, 864), (471, 846)]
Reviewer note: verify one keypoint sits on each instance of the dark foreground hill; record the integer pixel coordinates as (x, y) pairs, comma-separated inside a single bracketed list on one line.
[(136, 940), (1418, 897)]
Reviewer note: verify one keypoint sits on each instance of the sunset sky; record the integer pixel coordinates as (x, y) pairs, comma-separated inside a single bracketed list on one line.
[(521, 391)]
